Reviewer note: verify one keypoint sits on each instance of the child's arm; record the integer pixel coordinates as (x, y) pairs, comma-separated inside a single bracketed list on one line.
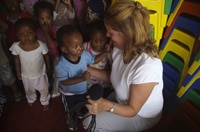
[(6, 48), (48, 64), (100, 57), (86, 76), (69, 5), (51, 42), (47, 32), (17, 66), (57, 5)]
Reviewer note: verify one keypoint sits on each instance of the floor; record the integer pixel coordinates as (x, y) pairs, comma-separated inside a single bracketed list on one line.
[(21, 117)]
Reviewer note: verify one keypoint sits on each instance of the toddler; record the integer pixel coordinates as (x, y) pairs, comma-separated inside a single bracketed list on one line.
[(27, 5), (97, 45), (7, 77), (31, 62), (43, 11), (64, 13), (95, 11), (11, 14), (71, 68)]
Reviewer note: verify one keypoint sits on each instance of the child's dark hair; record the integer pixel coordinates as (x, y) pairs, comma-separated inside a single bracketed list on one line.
[(65, 30), (25, 22), (97, 25), (41, 5)]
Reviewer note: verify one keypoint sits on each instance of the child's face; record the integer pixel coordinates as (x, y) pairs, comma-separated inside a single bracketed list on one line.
[(73, 45), (91, 15), (98, 41), (12, 5), (45, 18), (26, 35)]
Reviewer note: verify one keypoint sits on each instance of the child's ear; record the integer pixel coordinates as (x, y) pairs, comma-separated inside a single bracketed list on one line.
[(63, 49)]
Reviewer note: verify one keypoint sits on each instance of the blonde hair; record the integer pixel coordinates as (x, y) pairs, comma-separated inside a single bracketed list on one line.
[(131, 19)]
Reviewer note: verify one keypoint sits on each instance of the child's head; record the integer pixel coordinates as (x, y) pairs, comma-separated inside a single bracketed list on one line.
[(25, 29), (12, 5), (43, 11), (96, 9), (97, 34), (70, 41)]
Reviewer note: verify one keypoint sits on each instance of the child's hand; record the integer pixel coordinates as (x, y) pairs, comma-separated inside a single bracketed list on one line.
[(86, 76), (45, 28), (67, 2)]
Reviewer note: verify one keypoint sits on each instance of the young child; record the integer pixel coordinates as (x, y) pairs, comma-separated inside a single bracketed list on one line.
[(97, 45), (71, 68), (27, 5), (43, 11), (31, 62), (7, 77), (64, 13), (95, 10), (10, 16)]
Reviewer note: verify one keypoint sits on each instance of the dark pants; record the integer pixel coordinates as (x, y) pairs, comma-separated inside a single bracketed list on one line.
[(76, 103)]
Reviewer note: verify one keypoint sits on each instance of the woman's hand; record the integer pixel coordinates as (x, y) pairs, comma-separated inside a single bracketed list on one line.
[(95, 107), (100, 74)]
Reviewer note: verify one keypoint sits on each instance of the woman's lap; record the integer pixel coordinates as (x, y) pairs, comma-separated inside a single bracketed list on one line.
[(110, 122)]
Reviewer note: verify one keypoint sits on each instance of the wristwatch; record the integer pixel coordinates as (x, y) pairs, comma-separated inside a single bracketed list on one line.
[(113, 108)]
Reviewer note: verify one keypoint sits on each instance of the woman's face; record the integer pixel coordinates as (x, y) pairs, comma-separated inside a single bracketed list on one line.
[(116, 37)]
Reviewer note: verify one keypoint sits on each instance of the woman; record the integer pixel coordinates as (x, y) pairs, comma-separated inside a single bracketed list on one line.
[(136, 75)]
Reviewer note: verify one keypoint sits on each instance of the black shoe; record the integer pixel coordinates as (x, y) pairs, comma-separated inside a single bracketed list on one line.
[(72, 126)]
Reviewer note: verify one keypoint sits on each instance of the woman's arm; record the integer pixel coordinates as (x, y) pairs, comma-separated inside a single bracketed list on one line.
[(139, 93), (101, 74)]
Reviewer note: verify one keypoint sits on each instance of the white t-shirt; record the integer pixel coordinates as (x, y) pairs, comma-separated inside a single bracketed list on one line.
[(32, 62), (140, 70)]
